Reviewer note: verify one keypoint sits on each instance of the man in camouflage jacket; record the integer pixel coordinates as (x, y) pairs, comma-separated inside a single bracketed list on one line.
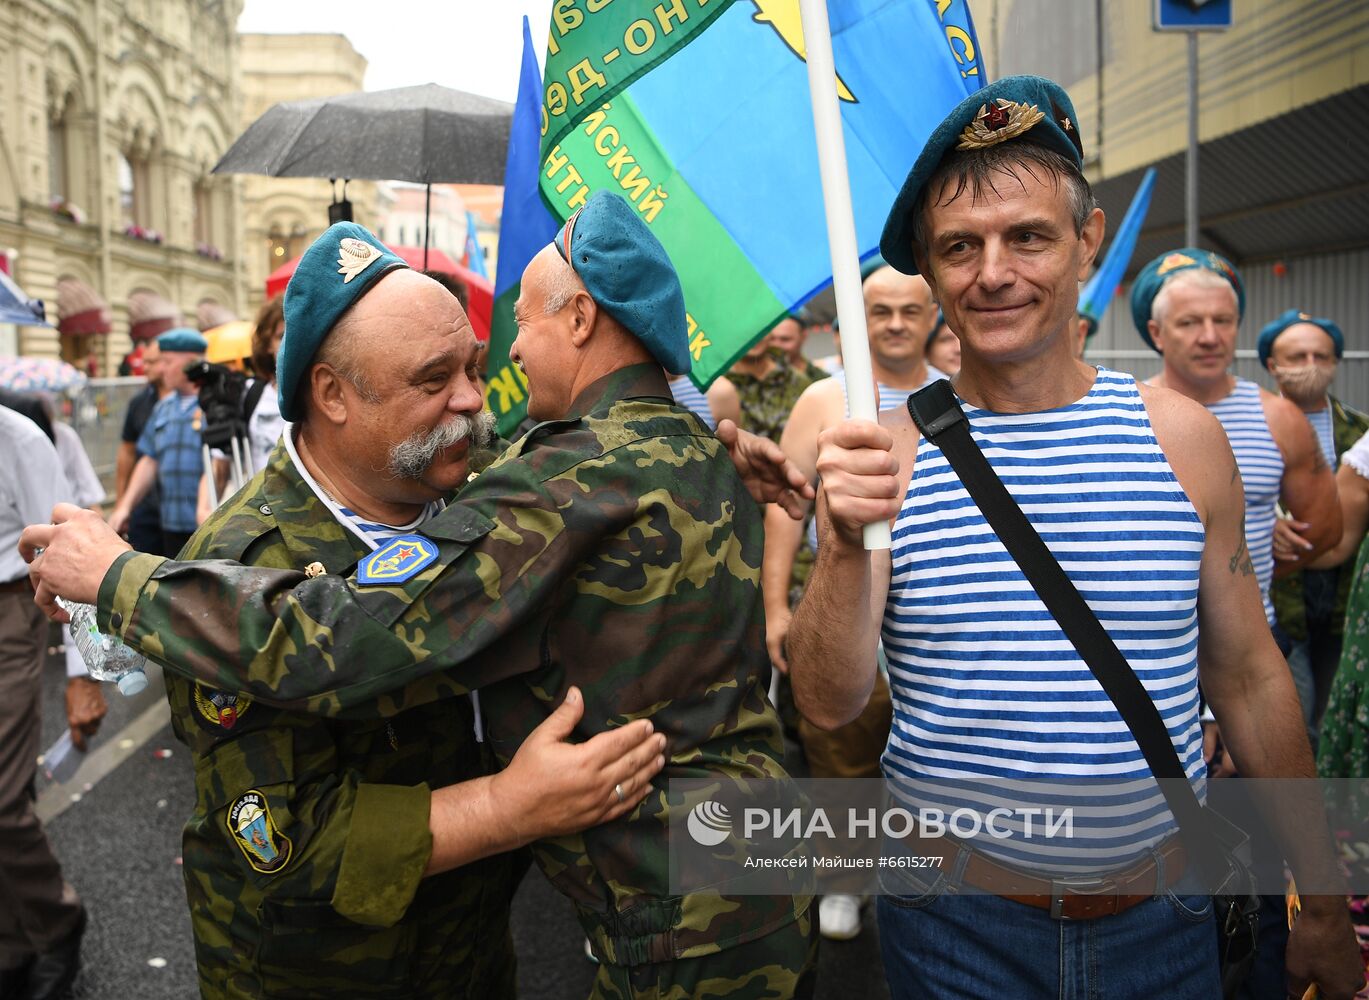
[(607, 549), (330, 900)]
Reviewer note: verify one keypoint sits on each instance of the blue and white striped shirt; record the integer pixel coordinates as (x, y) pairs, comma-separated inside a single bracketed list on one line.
[(687, 394), (1241, 415), (1326, 436), (986, 687)]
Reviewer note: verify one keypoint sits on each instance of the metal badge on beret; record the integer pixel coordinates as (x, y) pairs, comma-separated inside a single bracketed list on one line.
[(998, 121), (354, 257), (1174, 261)]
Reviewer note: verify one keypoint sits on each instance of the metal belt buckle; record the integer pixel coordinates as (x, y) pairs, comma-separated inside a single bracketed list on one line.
[(1075, 885)]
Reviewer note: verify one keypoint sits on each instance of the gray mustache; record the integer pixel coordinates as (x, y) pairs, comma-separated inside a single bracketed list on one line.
[(410, 458)]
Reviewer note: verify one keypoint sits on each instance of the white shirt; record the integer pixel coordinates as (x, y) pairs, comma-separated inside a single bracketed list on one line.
[(86, 489), (264, 428), (31, 484)]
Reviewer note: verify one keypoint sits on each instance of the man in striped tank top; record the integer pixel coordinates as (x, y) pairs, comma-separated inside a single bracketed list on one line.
[(1187, 304), (1135, 490), (899, 315), (1302, 352)]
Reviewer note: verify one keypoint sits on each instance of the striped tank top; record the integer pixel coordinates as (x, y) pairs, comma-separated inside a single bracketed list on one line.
[(687, 394), (989, 695), (889, 397), (1326, 435), (1261, 463)]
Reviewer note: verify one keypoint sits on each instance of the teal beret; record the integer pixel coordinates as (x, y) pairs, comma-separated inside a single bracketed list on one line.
[(183, 339), (1291, 318), (1154, 275), (1031, 108), (627, 272), (339, 268)]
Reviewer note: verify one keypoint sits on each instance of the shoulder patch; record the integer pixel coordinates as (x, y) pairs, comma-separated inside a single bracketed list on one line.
[(401, 559), (254, 831), (219, 708)]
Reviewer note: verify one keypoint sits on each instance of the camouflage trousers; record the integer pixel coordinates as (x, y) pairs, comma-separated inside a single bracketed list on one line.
[(779, 966)]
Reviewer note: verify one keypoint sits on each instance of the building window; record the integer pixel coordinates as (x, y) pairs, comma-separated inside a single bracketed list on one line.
[(282, 247), (204, 214), (133, 192), (58, 189)]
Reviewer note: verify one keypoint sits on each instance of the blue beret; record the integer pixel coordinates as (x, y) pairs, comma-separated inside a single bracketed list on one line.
[(339, 268), (1028, 107), (627, 272), (1154, 275), (183, 339), (1291, 318)]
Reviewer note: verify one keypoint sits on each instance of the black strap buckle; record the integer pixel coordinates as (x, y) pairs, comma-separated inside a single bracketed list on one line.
[(935, 409)]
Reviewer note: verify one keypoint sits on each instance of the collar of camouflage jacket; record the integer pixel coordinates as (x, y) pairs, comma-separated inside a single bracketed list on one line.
[(306, 525), (632, 382)]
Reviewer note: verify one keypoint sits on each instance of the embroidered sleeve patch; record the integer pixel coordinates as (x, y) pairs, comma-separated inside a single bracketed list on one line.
[(399, 560), (254, 831), (219, 708)]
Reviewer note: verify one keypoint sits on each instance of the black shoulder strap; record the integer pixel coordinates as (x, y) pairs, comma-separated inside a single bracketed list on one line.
[(939, 417), (253, 397)]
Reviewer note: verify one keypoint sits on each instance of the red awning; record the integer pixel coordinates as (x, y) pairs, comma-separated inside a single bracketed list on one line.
[(480, 291), (150, 315), (80, 310)]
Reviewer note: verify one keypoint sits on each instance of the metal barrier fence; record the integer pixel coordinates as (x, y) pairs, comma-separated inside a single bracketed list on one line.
[(97, 414)]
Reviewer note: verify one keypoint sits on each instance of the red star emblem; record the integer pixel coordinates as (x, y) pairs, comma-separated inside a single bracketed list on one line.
[(406, 553), (996, 118)]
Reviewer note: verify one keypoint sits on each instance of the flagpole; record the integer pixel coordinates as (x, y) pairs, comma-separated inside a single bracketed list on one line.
[(841, 228)]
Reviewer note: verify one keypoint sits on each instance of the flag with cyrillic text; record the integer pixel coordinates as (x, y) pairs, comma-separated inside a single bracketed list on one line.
[(525, 227), (698, 112)]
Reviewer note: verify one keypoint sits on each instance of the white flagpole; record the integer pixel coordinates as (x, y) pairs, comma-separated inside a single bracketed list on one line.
[(841, 228)]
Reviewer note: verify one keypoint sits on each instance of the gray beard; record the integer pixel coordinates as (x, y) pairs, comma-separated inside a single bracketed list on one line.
[(410, 458)]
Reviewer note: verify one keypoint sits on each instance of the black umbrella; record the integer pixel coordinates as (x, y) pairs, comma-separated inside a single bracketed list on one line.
[(426, 134)]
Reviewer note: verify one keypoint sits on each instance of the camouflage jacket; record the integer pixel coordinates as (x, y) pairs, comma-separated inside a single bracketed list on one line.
[(304, 858), (1290, 594), (767, 402), (615, 549)]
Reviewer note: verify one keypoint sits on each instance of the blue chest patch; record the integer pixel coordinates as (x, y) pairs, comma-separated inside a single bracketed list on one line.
[(398, 560)]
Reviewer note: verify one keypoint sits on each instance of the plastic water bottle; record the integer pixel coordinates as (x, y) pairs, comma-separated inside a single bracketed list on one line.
[(107, 658)]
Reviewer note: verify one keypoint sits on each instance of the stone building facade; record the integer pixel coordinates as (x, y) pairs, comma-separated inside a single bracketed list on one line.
[(112, 113), (283, 215)]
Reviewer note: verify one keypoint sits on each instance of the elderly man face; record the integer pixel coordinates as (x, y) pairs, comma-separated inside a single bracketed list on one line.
[(173, 370), (1303, 360), (551, 324), (1193, 324), (1005, 261), (400, 388)]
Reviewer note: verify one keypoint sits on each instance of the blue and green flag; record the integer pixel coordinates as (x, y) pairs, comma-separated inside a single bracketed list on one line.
[(698, 112), (525, 227)]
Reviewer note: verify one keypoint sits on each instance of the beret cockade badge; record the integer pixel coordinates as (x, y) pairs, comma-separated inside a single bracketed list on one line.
[(998, 121), (355, 256)]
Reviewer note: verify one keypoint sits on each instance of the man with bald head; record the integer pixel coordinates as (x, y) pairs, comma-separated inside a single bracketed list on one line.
[(900, 315), (1302, 352), (608, 551)]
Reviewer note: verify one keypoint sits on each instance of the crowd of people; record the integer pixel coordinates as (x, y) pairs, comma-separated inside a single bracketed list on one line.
[(420, 654)]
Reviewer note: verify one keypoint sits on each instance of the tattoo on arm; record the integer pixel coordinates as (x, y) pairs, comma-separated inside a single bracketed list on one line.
[(1318, 460), (1240, 559)]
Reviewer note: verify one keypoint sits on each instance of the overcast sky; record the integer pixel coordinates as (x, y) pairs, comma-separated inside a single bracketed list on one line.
[(471, 45)]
